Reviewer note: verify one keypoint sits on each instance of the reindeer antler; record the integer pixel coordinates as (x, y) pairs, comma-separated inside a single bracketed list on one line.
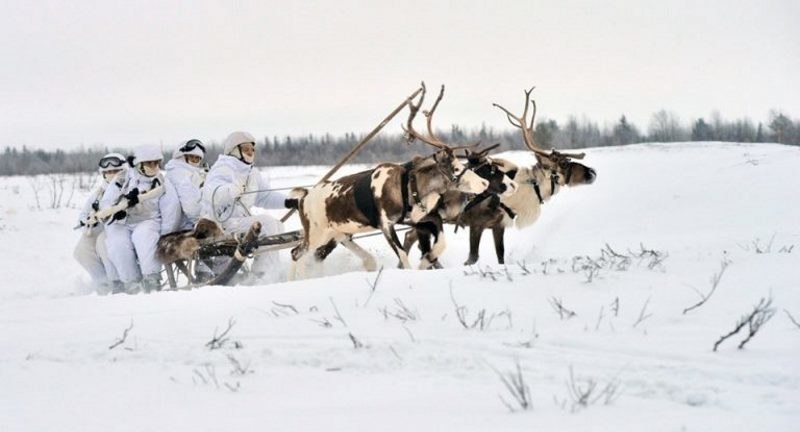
[(431, 138), (522, 123), (527, 128)]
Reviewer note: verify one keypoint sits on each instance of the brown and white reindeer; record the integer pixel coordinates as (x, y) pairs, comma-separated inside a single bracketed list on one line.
[(535, 185), (333, 211)]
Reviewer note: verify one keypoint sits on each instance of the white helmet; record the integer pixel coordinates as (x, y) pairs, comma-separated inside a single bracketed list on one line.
[(111, 162), (193, 147), (231, 145), (146, 153)]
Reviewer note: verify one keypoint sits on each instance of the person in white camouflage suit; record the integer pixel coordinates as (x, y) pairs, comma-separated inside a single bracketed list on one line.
[(187, 175), (232, 187), (133, 234), (91, 252)]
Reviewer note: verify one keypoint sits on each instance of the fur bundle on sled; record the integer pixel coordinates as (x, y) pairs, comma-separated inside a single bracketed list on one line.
[(182, 245)]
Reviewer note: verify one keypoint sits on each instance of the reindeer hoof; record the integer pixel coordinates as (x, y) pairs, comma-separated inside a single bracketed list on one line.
[(471, 261)]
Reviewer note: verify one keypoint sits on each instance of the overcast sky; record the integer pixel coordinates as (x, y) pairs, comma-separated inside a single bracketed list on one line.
[(122, 73)]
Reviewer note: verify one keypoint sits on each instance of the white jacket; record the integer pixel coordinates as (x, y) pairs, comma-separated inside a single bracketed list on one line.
[(166, 208), (188, 181), (227, 180)]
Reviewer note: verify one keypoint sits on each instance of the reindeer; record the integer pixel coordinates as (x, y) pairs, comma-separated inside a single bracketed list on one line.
[(453, 203), (536, 185), (333, 211)]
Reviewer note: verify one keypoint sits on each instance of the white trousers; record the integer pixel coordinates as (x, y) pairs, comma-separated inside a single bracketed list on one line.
[(264, 262), (92, 254), (132, 248)]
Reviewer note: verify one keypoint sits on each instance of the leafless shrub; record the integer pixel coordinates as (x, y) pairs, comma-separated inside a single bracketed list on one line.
[(520, 392), (599, 319), (324, 322), (36, 185), (356, 343), (643, 315), (615, 306), (615, 260), (584, 392), (523, 267), (791, 318), (373, 286), (122, 339), (762, 312), (218, 342), (481, 321), (337, 315), (612, 260), (587, 265), (208, 375), (562, 311), (283, 309), (653, 257), (545, 264), (487, 273), (715, 278), (238, 367), (759, 248), (399, 311)]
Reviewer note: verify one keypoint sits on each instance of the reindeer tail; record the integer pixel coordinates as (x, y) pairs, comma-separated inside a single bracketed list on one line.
[(294, 198)]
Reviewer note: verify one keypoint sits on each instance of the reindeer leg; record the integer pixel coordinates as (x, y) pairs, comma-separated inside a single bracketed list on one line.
[(410, 238), (390, 235), (499, 244), (475, 233), (366, 258), (431, 258)]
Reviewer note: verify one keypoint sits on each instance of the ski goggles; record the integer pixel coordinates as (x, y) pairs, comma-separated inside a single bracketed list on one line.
[(191, 145), (111, 162)]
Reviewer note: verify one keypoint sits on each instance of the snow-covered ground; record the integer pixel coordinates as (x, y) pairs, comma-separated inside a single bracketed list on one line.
[(331, 354)]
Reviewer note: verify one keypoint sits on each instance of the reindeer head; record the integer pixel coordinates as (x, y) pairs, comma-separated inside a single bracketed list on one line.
[(560, 164), (569, 172), (482, 164)]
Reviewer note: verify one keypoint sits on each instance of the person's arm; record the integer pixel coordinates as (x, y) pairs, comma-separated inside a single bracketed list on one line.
[(220, 190), (88, 208), (169, 206), (269, 199)]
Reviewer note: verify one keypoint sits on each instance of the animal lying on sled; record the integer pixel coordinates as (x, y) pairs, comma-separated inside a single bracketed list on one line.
[(333, 211), (491, 210)]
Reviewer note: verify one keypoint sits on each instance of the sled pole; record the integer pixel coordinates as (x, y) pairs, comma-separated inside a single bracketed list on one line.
[(361, 144)]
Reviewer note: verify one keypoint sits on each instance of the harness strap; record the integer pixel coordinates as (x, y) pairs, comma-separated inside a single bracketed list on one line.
[(404, 183), (365, 199), (507, 209), (536, 189)]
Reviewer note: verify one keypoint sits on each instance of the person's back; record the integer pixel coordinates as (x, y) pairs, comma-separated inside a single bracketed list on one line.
[(185, 173)]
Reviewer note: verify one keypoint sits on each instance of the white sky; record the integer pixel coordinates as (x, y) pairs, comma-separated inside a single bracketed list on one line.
[(123, 73)]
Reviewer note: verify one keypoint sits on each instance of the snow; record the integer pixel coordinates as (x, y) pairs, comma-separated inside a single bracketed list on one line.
[(417, 367)]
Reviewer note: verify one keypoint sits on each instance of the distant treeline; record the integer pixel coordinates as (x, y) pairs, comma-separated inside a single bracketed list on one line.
[(327, 150)]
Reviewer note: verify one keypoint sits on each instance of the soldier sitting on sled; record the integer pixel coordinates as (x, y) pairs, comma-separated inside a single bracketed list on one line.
[(231, 188), (91, 252)]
